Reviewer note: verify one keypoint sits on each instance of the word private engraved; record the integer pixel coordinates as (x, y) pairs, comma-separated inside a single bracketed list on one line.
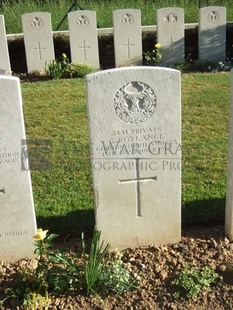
[(170, 18), (214, 16), (37, 23), (82, 21), (128, 19), (134, 102)]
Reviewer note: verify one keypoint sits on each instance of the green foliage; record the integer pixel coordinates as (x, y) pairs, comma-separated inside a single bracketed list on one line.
[(154, 57), (208, 66), (35, 301), (63, 68), (56, 68), (94, 262), (12, 10), (192, 280), (55, 267), (115, 276), (30, 289), (78, 70), (56, 272)]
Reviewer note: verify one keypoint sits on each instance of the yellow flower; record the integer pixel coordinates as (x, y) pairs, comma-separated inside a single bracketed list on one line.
[(157, 45), (41, 234), (64, 56)]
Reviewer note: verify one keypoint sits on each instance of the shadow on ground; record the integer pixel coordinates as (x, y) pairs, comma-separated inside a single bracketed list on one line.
[(70, 225), (203, 213)]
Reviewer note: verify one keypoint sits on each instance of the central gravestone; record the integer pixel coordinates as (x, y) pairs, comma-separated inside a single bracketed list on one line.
[(17, 216), (135, 136)]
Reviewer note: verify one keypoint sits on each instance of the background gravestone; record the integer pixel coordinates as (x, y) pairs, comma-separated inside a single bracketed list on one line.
[(83, 38), (4, 54), (229, 196), (127, 37), (170, 34), (38, 40), (135, 136), (212, 33), (17, 216)]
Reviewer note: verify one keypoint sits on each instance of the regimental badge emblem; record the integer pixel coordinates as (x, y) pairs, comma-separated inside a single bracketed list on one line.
[(171, 18), (214, 16), (128, 19), (82, 21), (37, 23), (134, 102)]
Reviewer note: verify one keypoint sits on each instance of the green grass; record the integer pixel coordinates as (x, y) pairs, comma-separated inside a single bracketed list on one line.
[(205, 137), (12, 10), (55, 112)]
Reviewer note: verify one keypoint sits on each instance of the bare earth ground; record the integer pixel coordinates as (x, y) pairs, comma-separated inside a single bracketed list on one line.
[(157, 267)]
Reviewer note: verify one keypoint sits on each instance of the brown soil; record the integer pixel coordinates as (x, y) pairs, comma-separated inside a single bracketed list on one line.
[(157, 267)]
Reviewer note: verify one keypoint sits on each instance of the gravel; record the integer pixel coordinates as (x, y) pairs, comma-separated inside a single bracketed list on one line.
[(157, 267)]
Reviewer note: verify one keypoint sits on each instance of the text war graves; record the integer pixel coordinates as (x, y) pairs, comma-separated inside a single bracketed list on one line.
[(38, 40), (83, 38), (17, 217), (127, 37), (170, 31), (212, 33), (4, 54), (135, 140)]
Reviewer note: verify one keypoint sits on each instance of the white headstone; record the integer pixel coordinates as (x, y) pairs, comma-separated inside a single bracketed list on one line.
[(83, 38), (38, 40), (127, 37), (135, 136), (4, 54), (17, 216), (170, 34), (212, 33), (229, 196)]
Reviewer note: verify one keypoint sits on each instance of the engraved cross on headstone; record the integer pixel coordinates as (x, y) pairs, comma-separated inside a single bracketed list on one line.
[(128, 45), (2, 190), (137, 180), (171, 43), (39, 48), (84, 47)]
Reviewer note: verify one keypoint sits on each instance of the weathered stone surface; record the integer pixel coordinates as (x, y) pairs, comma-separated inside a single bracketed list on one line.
[(17, 216), (38, 40), (135, 136), (127, 37), (170, 31), (212, 33), (4, 54), (83, 38)]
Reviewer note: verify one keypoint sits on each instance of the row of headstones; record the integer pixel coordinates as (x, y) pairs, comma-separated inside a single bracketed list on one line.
[(136, 160), (127, 37)]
